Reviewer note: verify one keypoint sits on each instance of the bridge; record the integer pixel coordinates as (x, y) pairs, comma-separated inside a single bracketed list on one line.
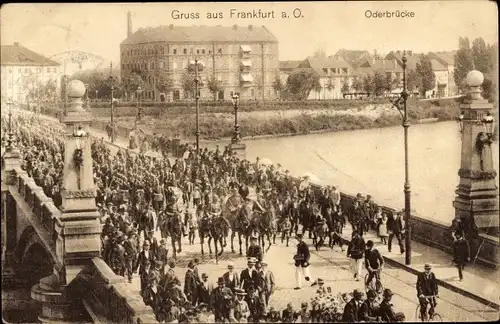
[(56, 251)]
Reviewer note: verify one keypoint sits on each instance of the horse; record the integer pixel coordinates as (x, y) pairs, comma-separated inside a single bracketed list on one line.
[(267, 227), (173, 226), (238, 223), (320, 231), (213, 228)]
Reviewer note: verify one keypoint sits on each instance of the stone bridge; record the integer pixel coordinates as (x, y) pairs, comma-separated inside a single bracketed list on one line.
[(55, 251)]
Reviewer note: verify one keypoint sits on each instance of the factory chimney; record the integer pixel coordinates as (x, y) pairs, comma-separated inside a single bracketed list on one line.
[(129, 24)]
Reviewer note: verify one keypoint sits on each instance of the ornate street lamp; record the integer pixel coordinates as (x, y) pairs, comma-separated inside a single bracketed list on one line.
[(96, 92), (236, 136), (402, 101), (489, 124), (460, 122), (198, 67), (10, 134)]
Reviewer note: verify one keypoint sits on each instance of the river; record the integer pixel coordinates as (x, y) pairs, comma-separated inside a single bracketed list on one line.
[(371, 161)]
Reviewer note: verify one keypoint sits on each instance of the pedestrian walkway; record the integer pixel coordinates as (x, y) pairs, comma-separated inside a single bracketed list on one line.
[(479, 283)]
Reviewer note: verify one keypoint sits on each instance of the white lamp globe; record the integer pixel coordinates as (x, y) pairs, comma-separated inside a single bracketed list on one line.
[(75, 89), (474, 78)]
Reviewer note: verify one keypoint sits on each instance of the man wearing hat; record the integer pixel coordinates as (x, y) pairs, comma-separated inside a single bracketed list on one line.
[(231, 279), (386, 311), (255, 304), (269, 282), (356, 251), (368, 310), (289, 315), (302, 266), (351, 309), (321, 286), (304, 313), (162, 254), (191, 284), (254, 250), (153, 243), (461, 253), (205, 289), (249, 276), (221, 298), (240, 312), (144, 255), (119, 255), (130, 254), (427, 291)]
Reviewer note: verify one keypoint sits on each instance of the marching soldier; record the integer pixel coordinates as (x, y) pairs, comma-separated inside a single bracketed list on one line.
[(119, 256), (162, 254), (130, 254)]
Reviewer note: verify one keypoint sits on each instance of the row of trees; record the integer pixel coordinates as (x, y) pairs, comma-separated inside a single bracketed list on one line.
[(480, 56)]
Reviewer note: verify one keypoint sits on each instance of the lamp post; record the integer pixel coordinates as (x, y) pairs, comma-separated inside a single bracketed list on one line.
[(96, 92), (139, 108), (10, 134), (236, 136), (196, 66), (460, 122), (402, 101), (112, 82)]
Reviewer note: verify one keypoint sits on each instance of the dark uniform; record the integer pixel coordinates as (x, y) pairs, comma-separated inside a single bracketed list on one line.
[(221, 296), (130, 256)]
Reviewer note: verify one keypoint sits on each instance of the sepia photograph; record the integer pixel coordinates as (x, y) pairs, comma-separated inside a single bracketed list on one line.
[(250, 162)]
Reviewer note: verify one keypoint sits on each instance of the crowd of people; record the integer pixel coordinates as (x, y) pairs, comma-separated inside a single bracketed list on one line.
[(138, 195)]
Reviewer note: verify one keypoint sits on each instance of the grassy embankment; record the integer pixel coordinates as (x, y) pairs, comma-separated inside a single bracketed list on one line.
[(216, 121)]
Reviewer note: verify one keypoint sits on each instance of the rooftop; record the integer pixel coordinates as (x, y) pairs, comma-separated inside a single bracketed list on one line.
[(289, 65), (447, 57), (201, 34), (16, 54), (320, 63)]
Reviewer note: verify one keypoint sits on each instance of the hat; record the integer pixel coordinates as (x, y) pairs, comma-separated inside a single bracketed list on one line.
[(320, 281), (200, 305), (230, 265), (220, 280), (254, 236), (356, 292), (146, 243), (299, 235), (371, 294), (303, 304), (427, 266), (162, 241), (264, 263), (240, 292), (151, 231), (191, 264), (252, 260), (387, 292), (204, 275), (171, 263), (158, 263)]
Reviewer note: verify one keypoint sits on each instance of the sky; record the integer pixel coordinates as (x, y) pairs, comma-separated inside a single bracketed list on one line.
[(99, 28)]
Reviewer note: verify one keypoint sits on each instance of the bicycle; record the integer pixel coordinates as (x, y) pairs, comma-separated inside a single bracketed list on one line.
[(435, 316), (377, 286)]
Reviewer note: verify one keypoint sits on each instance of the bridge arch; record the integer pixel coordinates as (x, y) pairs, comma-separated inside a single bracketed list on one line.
[(34, 261)]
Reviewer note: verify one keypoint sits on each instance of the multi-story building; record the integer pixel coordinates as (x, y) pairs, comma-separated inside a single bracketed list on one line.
[(447, 59), (333, 73), (26, 73), (241, 59)]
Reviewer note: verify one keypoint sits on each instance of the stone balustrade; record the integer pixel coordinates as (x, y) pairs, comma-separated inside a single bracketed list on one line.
[(108, 296)]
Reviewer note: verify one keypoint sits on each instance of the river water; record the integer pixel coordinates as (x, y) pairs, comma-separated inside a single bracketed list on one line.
[(372, 162)]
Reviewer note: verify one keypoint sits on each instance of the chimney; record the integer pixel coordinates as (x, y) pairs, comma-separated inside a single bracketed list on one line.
[(16, 44), (171, 26), (235, 27), (129, 24), (250, 27)]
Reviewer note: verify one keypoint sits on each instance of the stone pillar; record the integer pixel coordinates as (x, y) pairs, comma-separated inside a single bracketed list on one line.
[(476, 201), (239, 148), (79, 228)]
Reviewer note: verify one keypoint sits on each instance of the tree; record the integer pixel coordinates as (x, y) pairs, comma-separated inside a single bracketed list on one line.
[(368, 84), (278, 86), (412, 81), (481, 56), (463, 63), (425, 74), (396, 83), (379, 83), (357, 84), (300, 84), (345, 86), (214, 86), (188, 84), (388, 83)]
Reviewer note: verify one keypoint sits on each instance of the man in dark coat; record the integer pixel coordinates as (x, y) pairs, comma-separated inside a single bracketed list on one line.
[(144, 255), (249, 276), (205, 291), (231, 279), (355, 251), (119, 256), (221, 296), (289, 315), (386, 311), (191, 284), (395, 229), (461, 253), (302, 266), (427, 291), (351, 309), (130, 254), (255, 250), (368, 310), (162, 255)]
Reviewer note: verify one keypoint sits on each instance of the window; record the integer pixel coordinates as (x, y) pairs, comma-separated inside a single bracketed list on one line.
[(162, 65), (174, 66), (209, 51), (197, 51), (219, 50), (175, 50), (48, 70), (185, 51), (202, 51), (162, 50), (252, 92)]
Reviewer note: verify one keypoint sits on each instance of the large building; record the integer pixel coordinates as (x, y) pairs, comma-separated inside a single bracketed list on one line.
[(241, 59), (26, 73)]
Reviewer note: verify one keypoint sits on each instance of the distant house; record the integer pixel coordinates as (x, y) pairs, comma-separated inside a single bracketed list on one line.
[(333, 72), (447, 59), (390, 68), (21, 68), (353, 57), (286, 68)]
